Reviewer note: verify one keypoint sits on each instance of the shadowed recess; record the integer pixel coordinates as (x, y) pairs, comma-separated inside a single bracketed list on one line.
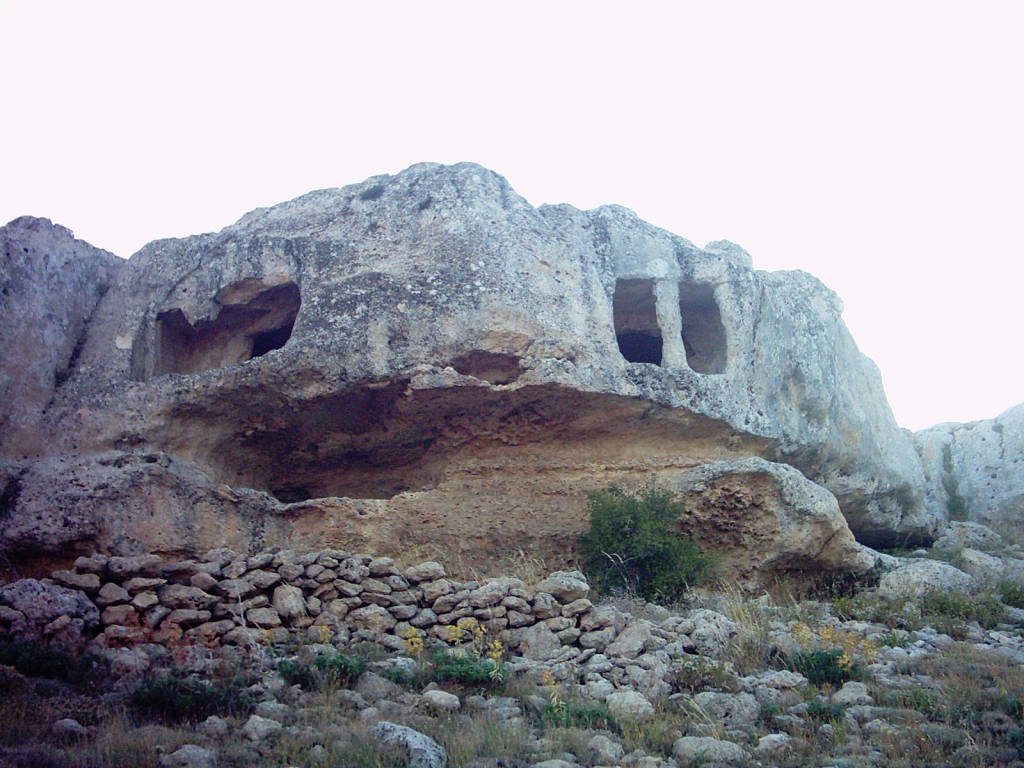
[(703, 332), (636, 321), (246, 328)]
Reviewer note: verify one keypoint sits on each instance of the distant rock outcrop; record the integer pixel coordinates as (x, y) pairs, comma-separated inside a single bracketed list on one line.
[(425, 360), (975, 471)]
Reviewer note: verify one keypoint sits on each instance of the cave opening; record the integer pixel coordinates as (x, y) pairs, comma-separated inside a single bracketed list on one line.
[(636, 321), (703, 332), (239, 332)]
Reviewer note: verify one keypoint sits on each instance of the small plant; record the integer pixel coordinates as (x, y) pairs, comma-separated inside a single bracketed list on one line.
[(295, 672), (924, 701), (830, 655), (38, 660), (176, 698), (633, 544), (1012, 594), (464, 669), (983, 609), (329, 670), (893, 638), (826, 712), (697, 673), (338, 669), (826, 667)]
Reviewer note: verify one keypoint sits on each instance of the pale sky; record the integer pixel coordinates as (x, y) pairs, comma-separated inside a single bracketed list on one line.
[(877, 145)]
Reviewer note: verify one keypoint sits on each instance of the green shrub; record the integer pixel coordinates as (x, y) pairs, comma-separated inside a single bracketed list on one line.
[(984, 609), (825, 712), (335, 669), (1015, 739), (466, 670), (633, 544), (38, 660), (176, 698), (338, 669), (821, 667), (1012, 594), (920, 699), (572, 714), (295, 672)]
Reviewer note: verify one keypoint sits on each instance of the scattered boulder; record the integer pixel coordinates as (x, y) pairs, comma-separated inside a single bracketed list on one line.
[(698, 750), (629, 705), (852, 694), (442, 701), (421, 750), (917, 577), (762, 518), (259, 729), (70, 728), (190, 756)]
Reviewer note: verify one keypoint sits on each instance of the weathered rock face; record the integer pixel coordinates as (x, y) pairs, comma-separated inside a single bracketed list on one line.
[(975, 471), (427, 360), (50, 283), (764, 519)]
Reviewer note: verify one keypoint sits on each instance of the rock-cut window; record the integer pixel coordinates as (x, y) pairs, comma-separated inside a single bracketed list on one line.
[(636, 321)]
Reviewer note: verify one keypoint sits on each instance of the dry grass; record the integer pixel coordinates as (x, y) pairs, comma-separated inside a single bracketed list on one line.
[(749, 652), (656, 735), (515, 563)]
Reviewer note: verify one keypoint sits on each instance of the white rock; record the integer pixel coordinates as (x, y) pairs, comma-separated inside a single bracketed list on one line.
[(915, 578), (696, 750), (628, 705), (601, 750), (69, 727), (190, 756), (731, 710), (852, 694), (442, 701), (289, 601), (773, 742), (421, 750), (258, 728)]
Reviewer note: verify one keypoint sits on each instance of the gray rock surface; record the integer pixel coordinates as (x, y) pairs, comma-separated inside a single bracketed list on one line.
[(975, 471), (762, 518), (429, 348), (50, 610), (190, 756), (921, 576), (50, 284), (629, 705), (698, 750), (421, 750)]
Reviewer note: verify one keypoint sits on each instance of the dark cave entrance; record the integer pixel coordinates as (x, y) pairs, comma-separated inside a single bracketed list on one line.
[(636, 321), (703, 332), (241, 331)]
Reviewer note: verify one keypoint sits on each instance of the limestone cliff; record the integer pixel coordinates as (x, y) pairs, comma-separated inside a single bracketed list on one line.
[(426, 360), (975, 471)]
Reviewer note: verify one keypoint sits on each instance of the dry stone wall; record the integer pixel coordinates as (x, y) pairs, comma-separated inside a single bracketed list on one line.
[(132, 609)]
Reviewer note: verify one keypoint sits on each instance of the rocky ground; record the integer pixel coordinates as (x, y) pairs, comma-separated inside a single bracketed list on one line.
[(330, 659)]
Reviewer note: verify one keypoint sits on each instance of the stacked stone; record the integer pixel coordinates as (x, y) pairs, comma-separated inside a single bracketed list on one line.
[(227, 599), (239, 598)]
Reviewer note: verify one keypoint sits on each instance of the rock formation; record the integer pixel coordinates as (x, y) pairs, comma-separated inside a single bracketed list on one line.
[(975, 471), (50, 284), (424, 361)]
